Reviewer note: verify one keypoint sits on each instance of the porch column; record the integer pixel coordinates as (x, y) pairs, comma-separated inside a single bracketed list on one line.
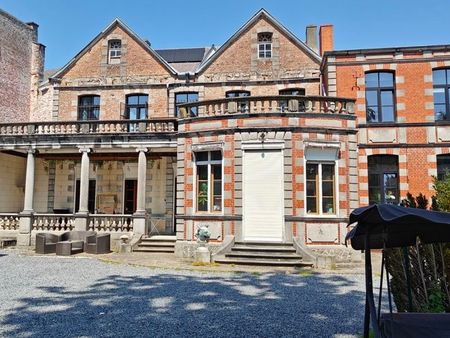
[(140, 226), (81, 217), (26, 216)]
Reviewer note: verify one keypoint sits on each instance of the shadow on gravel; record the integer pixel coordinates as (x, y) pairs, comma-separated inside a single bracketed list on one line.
[(269, 305)]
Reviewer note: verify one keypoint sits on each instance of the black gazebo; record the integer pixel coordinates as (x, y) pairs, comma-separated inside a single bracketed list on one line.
[(388, 226)]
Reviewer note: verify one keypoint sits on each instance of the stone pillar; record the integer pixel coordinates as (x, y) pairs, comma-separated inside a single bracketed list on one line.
[(26, 216), (140, 226), (81, 217)]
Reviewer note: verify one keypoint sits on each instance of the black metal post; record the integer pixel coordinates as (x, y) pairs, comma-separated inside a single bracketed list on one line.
[(408, 278), (372, 314), (381, 287)]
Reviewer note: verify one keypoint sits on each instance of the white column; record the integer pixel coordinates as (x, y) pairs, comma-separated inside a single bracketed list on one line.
[(29, 183), (84, 181), (142, 174)]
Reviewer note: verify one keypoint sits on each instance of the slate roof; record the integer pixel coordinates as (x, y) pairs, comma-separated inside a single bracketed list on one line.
[(182, 54)]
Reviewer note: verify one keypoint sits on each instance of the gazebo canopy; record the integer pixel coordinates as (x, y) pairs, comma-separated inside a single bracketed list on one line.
[(397, 226)]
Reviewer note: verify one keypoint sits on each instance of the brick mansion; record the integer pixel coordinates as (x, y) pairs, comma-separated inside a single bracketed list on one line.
[(266, 138)]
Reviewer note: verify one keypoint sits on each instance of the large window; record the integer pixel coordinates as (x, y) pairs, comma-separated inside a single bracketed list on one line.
[(186, 98), (242, 106), (441, 89), (380, 97), (443, 165), (265, 45), (383, 179), (88, 107), (114, 51), (320, 188), (209, 181), (136, 107), (283, 104)]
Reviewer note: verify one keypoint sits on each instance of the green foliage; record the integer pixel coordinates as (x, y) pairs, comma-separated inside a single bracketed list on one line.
[(436, 300), (422, 201), (442, 189)]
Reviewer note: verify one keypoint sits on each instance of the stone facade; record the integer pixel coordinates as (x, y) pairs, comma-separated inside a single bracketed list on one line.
[(22, 65)]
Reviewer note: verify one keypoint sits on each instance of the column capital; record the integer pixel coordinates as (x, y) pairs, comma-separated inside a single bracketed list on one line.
[(84, 149), (143, 149), (31, 150)]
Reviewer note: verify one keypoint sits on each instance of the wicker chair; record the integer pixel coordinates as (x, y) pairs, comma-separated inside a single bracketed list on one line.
[(98, 244), (46, 243)]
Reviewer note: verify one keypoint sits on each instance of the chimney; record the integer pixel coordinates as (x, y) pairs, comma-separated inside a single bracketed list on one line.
[(311, 37), (34, 27), (326, 38)]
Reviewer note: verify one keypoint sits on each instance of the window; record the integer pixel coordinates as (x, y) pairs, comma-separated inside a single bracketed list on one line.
[(265, 45), (136, 107), (209, 180), (443, 165), (114, 51), (243, 106), (185, 98), (380, 97), (441, 89), (383, 179), (320, 188), (88, 107), (283, 104)]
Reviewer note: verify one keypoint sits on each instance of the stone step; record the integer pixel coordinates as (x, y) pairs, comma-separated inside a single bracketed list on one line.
[(264, 244), (264, 248), (154, 250), (158, 243), (161, 238), (263, 262), (267, 255)]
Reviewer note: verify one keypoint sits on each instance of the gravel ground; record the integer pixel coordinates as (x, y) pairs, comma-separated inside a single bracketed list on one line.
[(83, 297)]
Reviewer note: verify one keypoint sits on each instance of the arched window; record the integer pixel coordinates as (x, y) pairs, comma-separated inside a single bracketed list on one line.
[(383, 179), (441, 90), (380, 97), (114, 51), (265, 45), (88, 107)]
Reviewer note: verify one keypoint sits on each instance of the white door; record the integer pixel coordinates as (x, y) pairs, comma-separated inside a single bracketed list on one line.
[(262, 194)]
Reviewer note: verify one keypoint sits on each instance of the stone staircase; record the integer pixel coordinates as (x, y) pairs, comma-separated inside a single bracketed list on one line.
[(157, 244), (266, 254)]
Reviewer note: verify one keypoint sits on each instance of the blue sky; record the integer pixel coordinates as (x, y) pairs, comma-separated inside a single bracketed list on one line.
[(65, 26)]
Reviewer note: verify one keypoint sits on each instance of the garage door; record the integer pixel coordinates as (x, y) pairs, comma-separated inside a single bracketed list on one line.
[(263, 195)]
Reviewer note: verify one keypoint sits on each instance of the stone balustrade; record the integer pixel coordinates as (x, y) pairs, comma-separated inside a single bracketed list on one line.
[(53, 222), (167, 125), (110, 223), (269, 104), (9, 221)]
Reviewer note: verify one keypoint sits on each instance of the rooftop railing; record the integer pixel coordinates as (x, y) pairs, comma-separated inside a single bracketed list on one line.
[(166, 125), (270, 104)]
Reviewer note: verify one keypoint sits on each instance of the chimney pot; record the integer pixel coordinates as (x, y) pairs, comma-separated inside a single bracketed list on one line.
[(311, 37), (326, 38)]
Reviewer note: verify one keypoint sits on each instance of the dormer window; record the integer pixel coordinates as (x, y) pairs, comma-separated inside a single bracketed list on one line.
[(265, 45), (114, 51)]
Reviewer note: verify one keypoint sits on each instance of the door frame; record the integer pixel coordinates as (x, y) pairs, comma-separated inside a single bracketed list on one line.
[(261, 146)]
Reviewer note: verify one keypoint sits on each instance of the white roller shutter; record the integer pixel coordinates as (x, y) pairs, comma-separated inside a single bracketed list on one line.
[(263, 196)]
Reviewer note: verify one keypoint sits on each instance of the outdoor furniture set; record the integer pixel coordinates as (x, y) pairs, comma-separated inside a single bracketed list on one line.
[(73, 242)]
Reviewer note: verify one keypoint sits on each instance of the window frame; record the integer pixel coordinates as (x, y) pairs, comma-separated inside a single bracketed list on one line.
[(210, 182), (137, 106), (193, 111), (383, 169), (267, 46), (90, 108), (440, 172), (319, 189), (446, 88), (283, 104), (243, 105), (117, 51), (379, 89)]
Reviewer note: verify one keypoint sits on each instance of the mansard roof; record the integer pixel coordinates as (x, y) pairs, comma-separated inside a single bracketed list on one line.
[(261, 13), (116, 22)]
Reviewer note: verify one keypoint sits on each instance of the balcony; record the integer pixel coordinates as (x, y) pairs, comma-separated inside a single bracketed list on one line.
[(270, 104), (91, 127)]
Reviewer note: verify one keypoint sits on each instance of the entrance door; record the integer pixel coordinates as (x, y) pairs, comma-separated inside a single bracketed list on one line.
[(130, 195), (91, 196), (263, 195)]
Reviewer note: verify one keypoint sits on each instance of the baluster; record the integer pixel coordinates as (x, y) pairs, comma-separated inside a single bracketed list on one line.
[(8, 224)]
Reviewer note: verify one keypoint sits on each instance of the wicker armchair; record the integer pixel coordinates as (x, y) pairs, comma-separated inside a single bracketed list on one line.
[(46, 243), (98, 244)]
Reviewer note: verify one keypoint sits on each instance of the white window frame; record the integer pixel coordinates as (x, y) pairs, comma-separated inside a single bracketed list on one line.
[(208, 162), (266, 46), (336, 189), (114, 54)]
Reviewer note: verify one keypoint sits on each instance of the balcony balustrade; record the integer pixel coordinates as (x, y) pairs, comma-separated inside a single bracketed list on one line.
[(270, 104), (167, 125)]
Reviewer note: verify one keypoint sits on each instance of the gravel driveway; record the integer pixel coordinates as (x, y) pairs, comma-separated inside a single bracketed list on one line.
[(83, 297)]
